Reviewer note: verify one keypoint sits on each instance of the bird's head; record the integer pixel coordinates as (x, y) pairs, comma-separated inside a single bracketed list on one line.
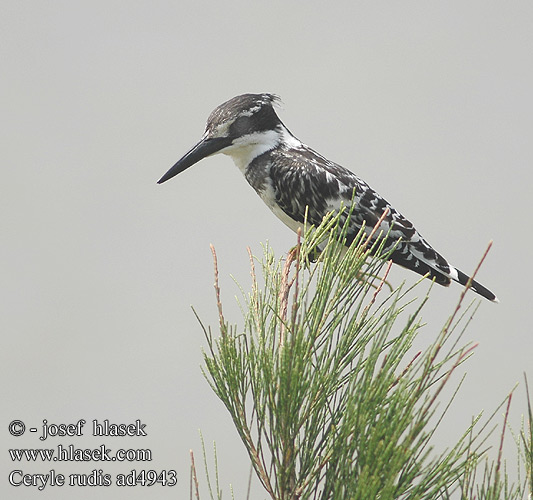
[(242, 127)]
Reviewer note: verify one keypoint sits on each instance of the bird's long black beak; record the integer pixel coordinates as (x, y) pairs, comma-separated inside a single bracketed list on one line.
[(206, 147)]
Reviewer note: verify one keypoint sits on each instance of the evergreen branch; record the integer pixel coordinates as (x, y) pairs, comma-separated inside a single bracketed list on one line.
[(329, 400)]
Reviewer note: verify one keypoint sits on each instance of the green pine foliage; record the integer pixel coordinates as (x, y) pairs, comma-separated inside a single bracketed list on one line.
[(326, 391)]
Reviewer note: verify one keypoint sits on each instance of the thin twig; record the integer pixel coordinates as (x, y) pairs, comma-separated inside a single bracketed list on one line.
[(378, 289), (255, 301), (364, 244), (406, 368), (459, 360), (476, 270), (295, 297), (194, 478), (217, 293), (285, 287), (458, 307), (249, 482), (500, 451), (375, 228)]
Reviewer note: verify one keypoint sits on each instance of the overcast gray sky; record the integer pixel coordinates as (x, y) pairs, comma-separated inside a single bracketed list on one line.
[(429, 102)]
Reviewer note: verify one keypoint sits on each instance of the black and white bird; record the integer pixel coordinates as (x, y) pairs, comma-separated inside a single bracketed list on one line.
[(290, 176)]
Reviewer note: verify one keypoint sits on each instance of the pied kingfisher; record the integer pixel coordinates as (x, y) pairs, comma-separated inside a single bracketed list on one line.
[(290, 177)]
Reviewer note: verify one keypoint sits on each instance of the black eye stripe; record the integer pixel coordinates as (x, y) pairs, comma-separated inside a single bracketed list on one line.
[(264, 119), (241, 125)]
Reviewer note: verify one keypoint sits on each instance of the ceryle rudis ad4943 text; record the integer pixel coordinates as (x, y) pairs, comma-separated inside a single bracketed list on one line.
[(290, 177)]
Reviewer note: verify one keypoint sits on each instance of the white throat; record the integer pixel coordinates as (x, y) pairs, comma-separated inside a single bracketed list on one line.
[(246, 148)]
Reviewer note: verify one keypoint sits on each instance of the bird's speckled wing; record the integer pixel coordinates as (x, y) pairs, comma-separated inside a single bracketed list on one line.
[(300, 178)]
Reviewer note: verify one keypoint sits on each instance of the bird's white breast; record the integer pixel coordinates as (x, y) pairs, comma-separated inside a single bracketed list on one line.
[(268, 196)]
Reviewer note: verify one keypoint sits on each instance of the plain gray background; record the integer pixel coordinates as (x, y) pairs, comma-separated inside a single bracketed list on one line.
[(429, 102)]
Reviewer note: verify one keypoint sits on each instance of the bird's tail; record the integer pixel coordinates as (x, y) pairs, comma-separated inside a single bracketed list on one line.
[(436, 267), (462, 278)]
